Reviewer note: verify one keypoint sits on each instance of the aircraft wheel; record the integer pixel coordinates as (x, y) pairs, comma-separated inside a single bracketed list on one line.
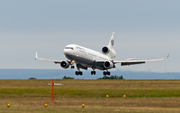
[(108, 73), (104, 73), (91, 72), (72, 67), (77, 73), (94, 72), (80, 72)]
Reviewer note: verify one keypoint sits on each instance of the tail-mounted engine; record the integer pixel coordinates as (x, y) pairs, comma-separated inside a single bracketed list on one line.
[(109, 51), (108, 65), (65, 64)]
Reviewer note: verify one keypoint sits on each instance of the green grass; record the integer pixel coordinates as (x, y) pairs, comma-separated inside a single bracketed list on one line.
[(91, 88), (142, 96), (90, 93)]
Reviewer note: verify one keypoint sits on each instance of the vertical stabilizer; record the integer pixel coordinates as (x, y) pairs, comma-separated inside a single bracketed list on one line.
[(111, 42)]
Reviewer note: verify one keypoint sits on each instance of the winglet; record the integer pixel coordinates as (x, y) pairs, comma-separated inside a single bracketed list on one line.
[(36, 56), (167, 56)]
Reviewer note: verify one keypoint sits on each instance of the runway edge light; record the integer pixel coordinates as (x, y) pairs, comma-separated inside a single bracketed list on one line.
[(107, 96), (45, 105), (124, 96), (83, 106), (8, 105)]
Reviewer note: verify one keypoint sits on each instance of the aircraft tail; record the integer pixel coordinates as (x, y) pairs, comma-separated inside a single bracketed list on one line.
[(111, 42), (108, 50)]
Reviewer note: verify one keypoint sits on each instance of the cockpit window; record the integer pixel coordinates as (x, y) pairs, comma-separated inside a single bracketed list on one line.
[(70, 48)]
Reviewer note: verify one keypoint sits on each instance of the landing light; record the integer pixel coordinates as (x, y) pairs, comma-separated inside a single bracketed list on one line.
[(73, 61)]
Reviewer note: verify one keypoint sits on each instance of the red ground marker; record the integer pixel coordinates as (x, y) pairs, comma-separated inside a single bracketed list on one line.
[(52, 90)]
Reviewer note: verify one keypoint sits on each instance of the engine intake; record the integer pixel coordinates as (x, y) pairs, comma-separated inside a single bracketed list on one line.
[(105, 50), (109, 51), (65, 64), (108, 65)]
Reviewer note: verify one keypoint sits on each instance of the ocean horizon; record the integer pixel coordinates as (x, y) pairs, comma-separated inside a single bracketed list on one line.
[(59, 74)]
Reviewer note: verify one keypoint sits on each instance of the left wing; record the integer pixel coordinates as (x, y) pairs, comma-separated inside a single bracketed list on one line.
[(133, 61), (50, 60)]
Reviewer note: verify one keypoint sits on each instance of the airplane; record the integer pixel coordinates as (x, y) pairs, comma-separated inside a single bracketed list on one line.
[(85, 58)]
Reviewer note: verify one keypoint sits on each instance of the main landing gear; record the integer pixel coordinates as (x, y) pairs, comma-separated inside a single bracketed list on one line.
[(106, 73), (78, 72), (93, 72)]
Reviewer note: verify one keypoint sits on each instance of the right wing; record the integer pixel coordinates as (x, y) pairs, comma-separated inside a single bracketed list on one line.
[(50, 60), (133, 61)]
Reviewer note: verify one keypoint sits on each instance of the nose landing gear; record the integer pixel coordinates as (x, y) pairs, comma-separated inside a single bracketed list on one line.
[(72, 67)]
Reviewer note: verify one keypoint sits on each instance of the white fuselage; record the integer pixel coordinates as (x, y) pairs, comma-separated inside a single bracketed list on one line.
[(85, 57)]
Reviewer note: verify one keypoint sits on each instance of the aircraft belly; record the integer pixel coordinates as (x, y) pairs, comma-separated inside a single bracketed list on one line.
[(79, 59), (85, 62)]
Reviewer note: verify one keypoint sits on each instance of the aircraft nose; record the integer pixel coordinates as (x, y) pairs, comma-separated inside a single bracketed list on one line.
[(68, 52), (65, 51)]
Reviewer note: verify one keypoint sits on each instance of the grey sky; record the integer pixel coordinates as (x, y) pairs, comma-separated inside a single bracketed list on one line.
[(144, 29)]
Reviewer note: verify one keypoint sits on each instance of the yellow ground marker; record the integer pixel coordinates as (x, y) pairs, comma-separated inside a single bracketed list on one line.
[(124, 96), (83, 106), (107, 96), (45, 105), (8, 106)]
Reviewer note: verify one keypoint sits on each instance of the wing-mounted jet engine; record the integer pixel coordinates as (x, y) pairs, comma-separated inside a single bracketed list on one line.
[(108, 65), (65, 64)]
